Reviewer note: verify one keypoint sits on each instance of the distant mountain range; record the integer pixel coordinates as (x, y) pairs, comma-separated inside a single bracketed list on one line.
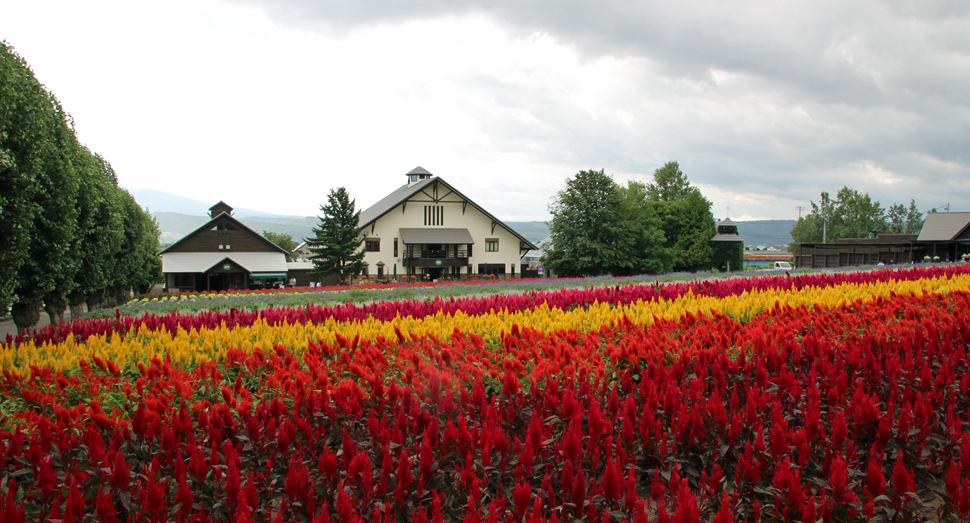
[(163, 202), (178, 216)]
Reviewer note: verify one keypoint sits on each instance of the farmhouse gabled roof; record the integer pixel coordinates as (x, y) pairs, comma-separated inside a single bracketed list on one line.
[(401, 194), (209, 224), (943, 226)]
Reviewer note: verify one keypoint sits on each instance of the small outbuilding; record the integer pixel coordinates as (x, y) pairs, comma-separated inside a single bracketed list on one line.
[(728, 247)]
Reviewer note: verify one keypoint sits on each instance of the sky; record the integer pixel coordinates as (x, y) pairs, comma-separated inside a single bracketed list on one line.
[(270, 104)]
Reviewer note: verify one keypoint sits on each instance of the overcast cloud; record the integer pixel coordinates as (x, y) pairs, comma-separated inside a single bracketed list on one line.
[(269, 104)]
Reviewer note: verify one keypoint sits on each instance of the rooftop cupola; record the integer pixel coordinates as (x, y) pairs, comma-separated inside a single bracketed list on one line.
[(219, 208), (417, 174), (726, 226)]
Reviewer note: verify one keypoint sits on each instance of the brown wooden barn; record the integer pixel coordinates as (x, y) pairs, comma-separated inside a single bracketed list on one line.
[(223, 254)]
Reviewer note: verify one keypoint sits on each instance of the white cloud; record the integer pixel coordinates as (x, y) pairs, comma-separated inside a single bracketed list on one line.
[(269, 104)]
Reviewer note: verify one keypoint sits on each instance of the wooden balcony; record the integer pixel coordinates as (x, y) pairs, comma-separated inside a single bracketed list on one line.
[(457, 258)]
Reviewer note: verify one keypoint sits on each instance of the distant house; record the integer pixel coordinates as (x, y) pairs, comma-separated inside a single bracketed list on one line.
[(427, 229), (947, 234), (222, 254), (301, 252), (532, 261)]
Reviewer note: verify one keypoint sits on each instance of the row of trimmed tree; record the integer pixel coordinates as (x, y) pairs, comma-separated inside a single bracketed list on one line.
[(600, 227), (68, 234)]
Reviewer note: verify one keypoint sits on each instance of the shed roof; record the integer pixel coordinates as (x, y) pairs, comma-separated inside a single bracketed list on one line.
[(412, 236), (726, 238), (196, 262), (419, 170), (943, 226), (299, 266)]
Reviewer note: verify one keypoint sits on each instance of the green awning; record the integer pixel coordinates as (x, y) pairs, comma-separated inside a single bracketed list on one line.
[(267, 276)]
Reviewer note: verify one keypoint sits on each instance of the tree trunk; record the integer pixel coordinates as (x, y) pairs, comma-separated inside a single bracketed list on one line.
[(55, 306), (94, 300), (76, 300), (26, 315)]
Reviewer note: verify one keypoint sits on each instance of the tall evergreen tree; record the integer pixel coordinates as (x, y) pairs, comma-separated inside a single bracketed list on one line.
[(336, 244)]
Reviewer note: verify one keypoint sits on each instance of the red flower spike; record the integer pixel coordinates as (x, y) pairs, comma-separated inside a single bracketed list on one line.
[(521, 496), (723, 514), (687, 508), (612, 478), (657, 489), (838, 477), (105, 507), (631, 490), (578, 494), (875, 478), (903, 479), (183, 496)]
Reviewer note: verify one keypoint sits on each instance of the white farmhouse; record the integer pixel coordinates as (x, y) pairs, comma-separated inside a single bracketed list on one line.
[(428, 229)]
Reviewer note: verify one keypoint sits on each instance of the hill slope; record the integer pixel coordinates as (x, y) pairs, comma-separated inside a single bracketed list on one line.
[(766, 232)]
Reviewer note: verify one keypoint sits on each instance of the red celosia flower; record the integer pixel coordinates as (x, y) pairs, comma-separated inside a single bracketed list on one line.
[(612, 481), (838, 477), (723, 514), (521, 496), (323, 516), (874, 475), (903, 479), (120, 475), (953, 482), (105, 507)]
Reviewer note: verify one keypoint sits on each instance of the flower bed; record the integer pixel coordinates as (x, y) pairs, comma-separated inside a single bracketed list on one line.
[(837, 398)]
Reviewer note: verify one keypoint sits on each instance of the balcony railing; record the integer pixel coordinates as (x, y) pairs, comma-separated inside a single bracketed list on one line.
[(441, 254)]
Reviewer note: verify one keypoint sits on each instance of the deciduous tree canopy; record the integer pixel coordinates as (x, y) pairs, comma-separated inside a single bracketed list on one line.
[(599, 227), (685, 216), (283, 240), (854, 215)]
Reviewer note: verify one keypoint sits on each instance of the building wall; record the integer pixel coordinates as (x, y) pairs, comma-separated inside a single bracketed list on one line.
[(412, 215)]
